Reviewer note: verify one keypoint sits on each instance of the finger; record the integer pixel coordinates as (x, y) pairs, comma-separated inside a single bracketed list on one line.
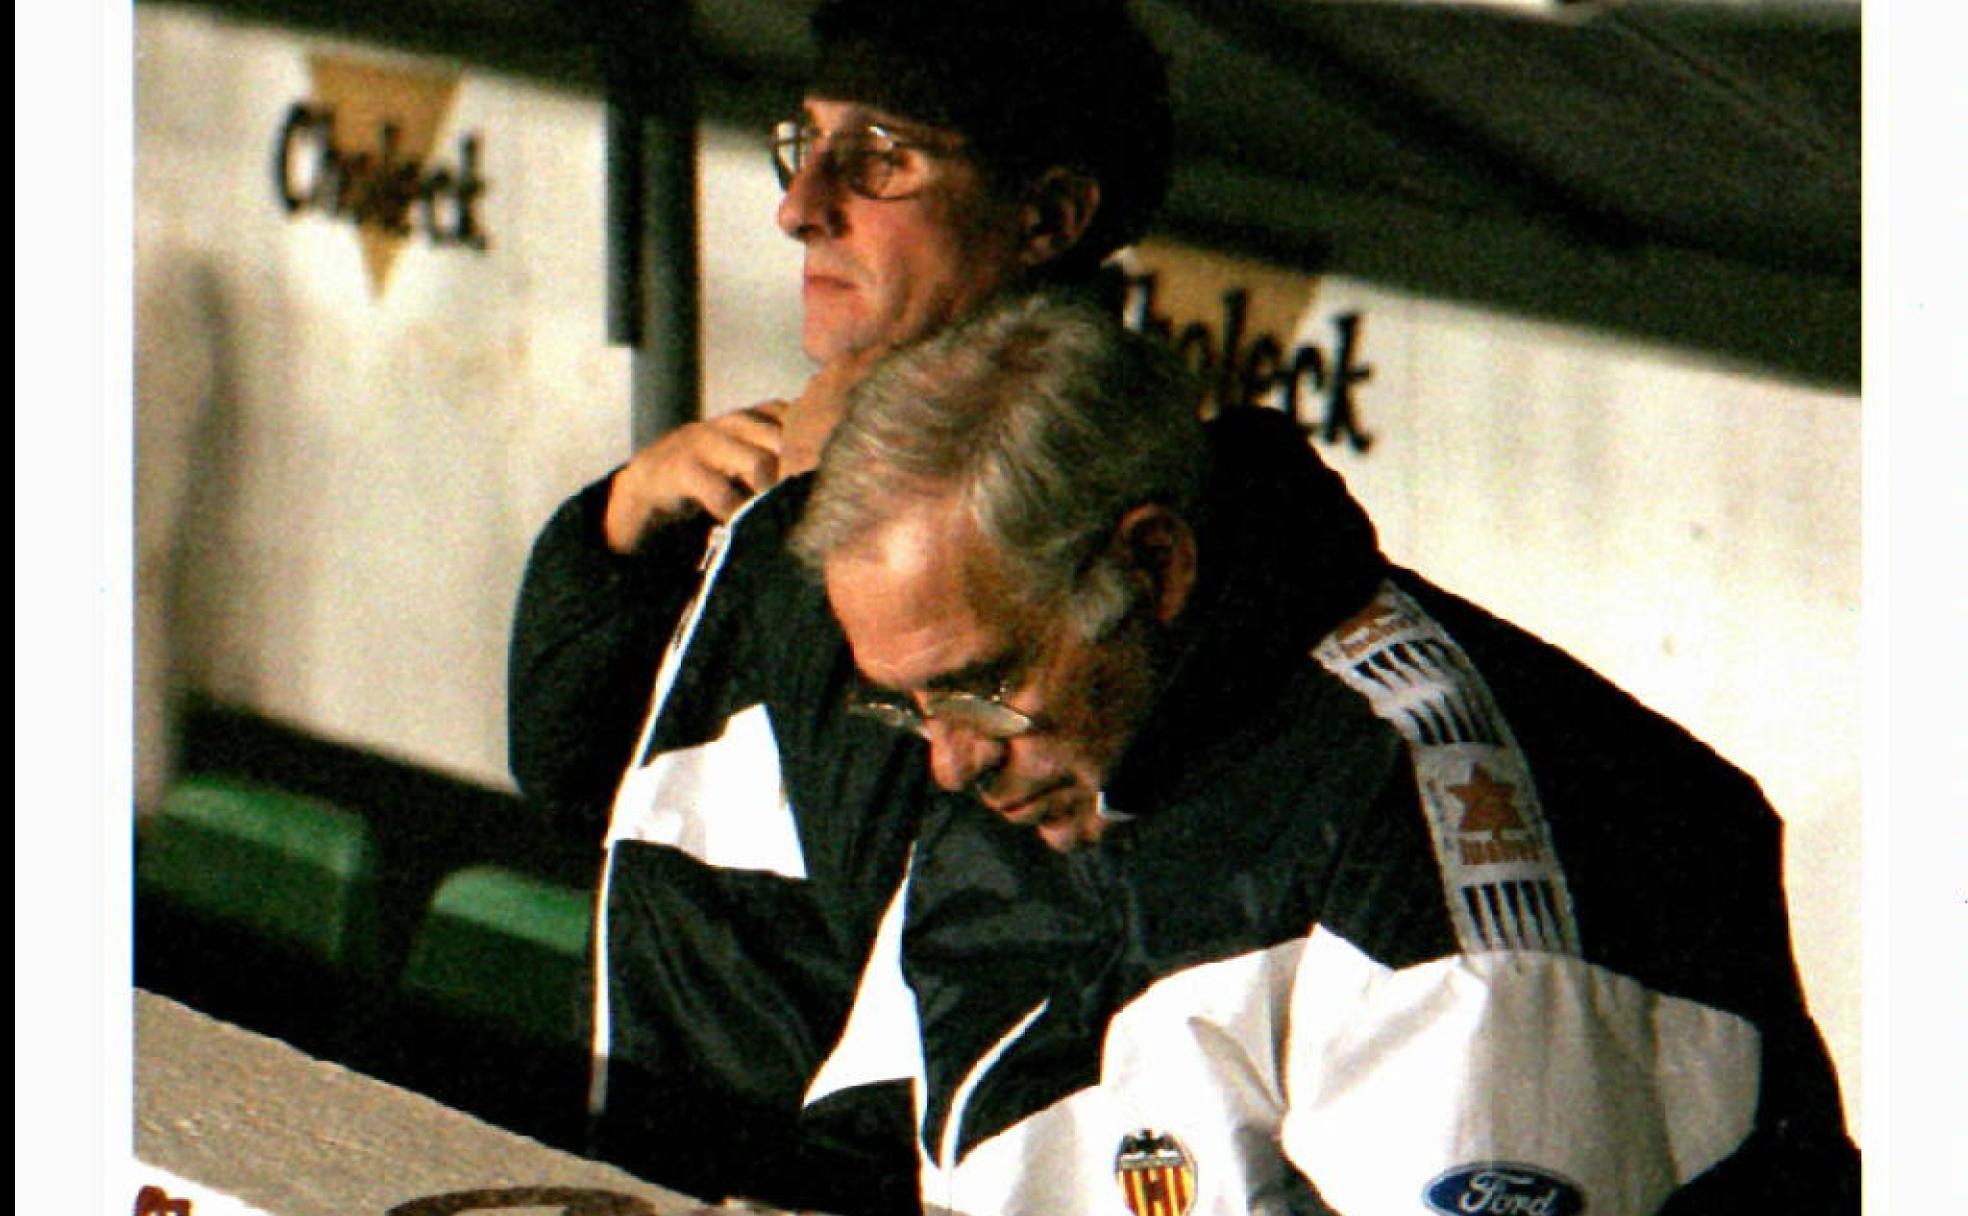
[(767, 412), (713, 466), (759, 426), (718, 495), (754, 465)]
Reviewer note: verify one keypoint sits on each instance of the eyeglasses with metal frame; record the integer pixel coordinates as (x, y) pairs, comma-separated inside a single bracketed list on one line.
[(986, 714), (869, 158)]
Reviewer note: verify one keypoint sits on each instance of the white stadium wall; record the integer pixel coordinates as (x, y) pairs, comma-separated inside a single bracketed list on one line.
[(338, 484), (339, 475)]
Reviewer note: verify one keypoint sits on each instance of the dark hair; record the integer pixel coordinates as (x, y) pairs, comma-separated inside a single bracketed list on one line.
[(1031, 83)]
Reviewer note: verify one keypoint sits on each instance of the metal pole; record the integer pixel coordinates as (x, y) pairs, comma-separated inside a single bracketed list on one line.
[(652, 193)]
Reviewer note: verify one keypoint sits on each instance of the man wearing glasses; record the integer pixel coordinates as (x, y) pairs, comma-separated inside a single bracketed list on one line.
[(1276, 879), (944, 154)]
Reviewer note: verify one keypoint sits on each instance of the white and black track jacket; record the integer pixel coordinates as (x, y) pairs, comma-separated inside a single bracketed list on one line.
[(748, 854), (1415, 913), (1410, 913)]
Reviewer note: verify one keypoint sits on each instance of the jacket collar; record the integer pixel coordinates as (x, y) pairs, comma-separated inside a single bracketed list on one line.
[(1285, 555)]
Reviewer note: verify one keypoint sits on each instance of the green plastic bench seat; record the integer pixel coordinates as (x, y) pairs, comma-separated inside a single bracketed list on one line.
[(293, 870), (504, 951)]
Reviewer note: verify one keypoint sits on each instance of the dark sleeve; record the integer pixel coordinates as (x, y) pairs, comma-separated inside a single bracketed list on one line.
[(1799, 1157), (587, 635), (1675, 860)]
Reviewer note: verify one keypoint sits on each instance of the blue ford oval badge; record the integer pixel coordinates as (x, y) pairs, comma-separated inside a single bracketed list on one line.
[(1504, 1188)]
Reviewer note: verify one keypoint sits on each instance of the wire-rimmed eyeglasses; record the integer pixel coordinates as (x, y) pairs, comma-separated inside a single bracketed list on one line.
[(985, 714), (870, 159)]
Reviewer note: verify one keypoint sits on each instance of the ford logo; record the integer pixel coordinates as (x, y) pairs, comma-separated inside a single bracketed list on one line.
[(1503, 1188)]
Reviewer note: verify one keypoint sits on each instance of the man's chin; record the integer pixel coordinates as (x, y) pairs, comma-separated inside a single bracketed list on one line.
[(823, 345), (831, 328), (842, 326)]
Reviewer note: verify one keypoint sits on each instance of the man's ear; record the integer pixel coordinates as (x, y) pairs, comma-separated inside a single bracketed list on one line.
[(1159, 549), (1056, 213)]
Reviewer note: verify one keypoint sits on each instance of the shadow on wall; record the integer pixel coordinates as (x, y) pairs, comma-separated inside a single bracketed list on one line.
[(189, 473)]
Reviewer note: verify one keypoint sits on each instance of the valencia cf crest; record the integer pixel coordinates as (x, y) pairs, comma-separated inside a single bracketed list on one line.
[(1156, 1174)]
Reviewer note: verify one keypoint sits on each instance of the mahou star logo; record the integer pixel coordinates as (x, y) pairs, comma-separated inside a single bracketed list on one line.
[(1492, 829)]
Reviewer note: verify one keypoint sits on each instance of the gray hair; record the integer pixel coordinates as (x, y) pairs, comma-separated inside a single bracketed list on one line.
[(1047, 421)]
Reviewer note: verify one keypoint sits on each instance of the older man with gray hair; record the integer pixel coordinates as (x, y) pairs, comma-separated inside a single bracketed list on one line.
[(1303, 885), (967, 530)]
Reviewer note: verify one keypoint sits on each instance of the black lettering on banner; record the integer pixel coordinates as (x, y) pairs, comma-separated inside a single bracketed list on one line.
[(381, 191), (1229, 387), (572, 1201), (1243, 370), (1260, 370), (1339, 394), (1308, 366), (1141, 288), (301, 123), (1195, 347), (462, 193)]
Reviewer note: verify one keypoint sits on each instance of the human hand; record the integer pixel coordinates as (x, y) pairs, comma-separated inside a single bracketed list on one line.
[(711, 466), (813, 414)]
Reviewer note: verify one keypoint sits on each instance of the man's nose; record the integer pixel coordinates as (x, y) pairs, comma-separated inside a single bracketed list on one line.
[(960, 758), (812, 202)]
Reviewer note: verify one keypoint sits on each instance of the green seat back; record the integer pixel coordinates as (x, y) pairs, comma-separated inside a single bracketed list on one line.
[(505, 951), (293, 870)]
